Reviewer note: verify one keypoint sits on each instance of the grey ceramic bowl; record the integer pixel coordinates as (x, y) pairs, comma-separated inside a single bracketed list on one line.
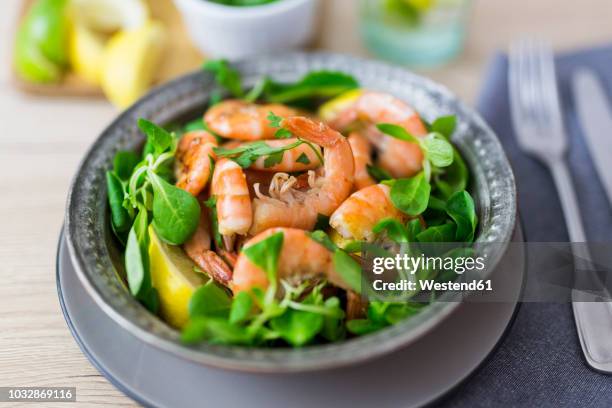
[(95, 254)]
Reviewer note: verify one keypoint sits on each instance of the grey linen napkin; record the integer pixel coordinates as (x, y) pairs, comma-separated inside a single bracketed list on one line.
[(540, 363)]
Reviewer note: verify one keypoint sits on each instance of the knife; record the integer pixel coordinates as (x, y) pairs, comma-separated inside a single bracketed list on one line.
[(595, 115)]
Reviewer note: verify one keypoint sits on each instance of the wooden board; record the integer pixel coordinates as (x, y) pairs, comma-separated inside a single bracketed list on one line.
[(181, 56)]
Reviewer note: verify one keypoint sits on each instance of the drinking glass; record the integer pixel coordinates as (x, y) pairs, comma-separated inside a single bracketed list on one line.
[(414, 32)]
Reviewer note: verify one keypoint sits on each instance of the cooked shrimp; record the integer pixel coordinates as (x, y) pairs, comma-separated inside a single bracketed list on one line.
[(362, 154), (198, 248), (300, 209), (356, 306), (194, 158), (235, 119), (301, 258), (229, 187), (357, 216), (400, 158), (289, 162)]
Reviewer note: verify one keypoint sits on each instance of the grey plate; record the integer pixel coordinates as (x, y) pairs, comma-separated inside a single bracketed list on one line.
[(411, 377), (95, 255)]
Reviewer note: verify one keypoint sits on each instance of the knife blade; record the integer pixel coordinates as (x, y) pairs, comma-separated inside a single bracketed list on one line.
[(595, 116)]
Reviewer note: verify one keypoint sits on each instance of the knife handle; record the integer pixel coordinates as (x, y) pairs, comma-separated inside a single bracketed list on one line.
[(593, 315)]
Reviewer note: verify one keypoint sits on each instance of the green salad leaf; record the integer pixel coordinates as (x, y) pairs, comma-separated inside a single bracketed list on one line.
[(378, 173), (445, 125), (348, 268), (398, 132), (158, 138), (453, 178), (302, 158), (394, 229), (226, 76), (297, 327), (314, 85), (411, 195), (265, 254), (438, 234), (124, 164), (210, 300), (176, 213), (248, 153), (318, 84), (437, 149), (120, 217), (241, 308), (460, 207), (211, 204), (134, 262)]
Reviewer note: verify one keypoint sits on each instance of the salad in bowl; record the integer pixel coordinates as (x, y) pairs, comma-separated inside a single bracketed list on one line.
[(238, 227)]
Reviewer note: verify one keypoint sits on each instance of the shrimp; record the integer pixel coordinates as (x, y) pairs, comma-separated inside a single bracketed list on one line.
[(356, 307), (289, 163), (301, 258), (229, 187), (198, 248), (235, 119), (194, 158), (362, 155), (357, 216), (300, 209), (400, 158)]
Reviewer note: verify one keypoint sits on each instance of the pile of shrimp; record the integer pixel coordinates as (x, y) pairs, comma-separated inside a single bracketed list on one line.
[(253, 203)]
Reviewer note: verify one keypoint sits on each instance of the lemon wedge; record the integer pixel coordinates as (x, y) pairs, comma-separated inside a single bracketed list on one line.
[(110, 15), (420, 5), (86, 53), (330, 109), (130, 62), (172, 274)]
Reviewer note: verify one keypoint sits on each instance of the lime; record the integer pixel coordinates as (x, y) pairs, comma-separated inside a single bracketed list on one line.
[(42, 42)]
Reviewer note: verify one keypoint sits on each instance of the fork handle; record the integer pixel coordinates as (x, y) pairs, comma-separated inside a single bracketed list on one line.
[(569, 201)]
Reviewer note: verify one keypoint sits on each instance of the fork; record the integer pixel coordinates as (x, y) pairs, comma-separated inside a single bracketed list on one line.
[(538, 124)]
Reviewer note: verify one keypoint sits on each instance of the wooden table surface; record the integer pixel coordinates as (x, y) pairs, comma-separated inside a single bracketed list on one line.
[(43, 139)]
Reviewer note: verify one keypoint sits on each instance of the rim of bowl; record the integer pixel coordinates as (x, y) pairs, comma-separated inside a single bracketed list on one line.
[(245, 12), (282, 360)]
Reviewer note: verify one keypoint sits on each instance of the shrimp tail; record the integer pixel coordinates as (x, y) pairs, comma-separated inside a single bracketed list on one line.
[(215, 267), (228, 242), (316, 132)]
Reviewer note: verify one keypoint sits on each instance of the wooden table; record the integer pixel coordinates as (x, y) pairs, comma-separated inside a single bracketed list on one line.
[(43, 139)]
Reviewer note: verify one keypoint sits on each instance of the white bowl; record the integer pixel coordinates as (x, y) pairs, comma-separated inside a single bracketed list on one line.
[(239, 32)]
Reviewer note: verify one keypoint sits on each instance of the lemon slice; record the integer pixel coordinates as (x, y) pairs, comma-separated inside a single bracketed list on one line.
[(420, 5), (110, 15), (87, 53), (330, 109), (172, 274), (130, 62)]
